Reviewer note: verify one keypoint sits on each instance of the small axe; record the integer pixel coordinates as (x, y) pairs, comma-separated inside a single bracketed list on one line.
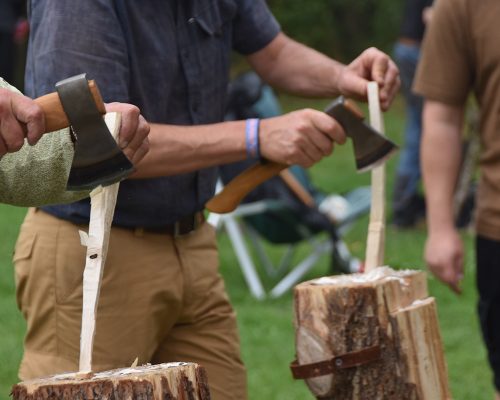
[(98, 160), (370, 150)]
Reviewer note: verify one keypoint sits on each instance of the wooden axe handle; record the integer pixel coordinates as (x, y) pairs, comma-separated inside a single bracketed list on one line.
[(55, 117), (297, 188), (232, 194)]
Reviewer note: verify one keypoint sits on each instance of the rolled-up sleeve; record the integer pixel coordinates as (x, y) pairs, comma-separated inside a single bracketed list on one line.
[(445, 71), (254, 26), (88, 33)]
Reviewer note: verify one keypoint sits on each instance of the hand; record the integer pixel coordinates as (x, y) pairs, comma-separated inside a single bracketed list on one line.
[(301, 137), (444, 255), (371, 65), (20, 117), (427, 14), (134, 131)]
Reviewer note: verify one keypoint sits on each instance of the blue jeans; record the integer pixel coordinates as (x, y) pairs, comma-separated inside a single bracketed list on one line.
[(488, 286), (408, 170)]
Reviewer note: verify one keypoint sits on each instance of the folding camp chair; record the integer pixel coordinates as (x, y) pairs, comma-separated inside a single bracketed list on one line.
[(254, 223), (277, 211)]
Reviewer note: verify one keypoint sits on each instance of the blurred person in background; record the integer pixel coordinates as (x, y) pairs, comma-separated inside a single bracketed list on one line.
[(408, 205), (13, 32), (460, 56)]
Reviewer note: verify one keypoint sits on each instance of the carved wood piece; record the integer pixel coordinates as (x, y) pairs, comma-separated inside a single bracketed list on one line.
[(103, 201), (376, 229)]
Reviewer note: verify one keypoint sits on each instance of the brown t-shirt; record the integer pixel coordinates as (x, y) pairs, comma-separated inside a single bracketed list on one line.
[(460, 54)]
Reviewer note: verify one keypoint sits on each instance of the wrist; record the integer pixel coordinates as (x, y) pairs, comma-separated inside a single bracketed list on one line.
[(252, 143), (441, 229)]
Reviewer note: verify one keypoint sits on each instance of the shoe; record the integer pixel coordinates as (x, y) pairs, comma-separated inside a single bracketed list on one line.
[(410, 215)]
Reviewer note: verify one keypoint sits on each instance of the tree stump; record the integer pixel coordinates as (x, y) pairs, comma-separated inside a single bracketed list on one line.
[(171, 381), (371, 336)]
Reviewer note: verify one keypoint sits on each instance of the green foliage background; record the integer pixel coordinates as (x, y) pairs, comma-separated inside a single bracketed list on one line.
[(340, 28)]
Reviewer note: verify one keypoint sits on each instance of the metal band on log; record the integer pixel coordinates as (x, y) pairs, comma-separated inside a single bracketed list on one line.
[(353, 315), (172, 381)]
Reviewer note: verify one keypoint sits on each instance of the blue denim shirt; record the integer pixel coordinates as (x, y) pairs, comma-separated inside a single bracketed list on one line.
[(170, 58)]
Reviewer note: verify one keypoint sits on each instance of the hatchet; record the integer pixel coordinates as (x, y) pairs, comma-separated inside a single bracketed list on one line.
[(370, 150), (98, 160)]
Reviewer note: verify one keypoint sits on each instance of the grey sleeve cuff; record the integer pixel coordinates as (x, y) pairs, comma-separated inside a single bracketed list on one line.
[(37, 175), (254, 27)]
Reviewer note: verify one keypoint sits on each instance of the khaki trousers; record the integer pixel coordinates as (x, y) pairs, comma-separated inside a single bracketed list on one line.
[(162, 299)]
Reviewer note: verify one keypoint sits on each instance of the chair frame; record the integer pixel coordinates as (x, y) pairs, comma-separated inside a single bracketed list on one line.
[(236, 229)]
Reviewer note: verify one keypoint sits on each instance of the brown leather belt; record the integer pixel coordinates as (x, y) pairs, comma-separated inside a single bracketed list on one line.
[(183, 226)]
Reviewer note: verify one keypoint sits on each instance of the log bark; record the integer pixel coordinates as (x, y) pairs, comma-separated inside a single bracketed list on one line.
[(384, 309), (172, 381)]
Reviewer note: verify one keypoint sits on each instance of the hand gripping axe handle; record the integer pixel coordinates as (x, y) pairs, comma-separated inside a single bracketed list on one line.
[(97, 160), (370, 150)]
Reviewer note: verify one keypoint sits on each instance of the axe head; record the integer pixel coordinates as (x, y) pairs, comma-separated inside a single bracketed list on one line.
[(97, 160), (371, 148)]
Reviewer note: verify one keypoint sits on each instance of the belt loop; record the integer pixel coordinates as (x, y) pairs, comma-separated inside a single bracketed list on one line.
[(177, 229)]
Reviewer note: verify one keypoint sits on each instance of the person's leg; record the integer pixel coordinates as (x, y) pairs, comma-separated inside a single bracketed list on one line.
[(406, 206), (140, 298), (7, 56), (206, 332), (488, 285)]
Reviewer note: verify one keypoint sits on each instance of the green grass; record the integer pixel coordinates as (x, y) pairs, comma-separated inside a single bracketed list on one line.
[(11, 323), (266, 326)]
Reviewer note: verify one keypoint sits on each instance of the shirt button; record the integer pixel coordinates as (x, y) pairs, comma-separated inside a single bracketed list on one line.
[(191, 20)]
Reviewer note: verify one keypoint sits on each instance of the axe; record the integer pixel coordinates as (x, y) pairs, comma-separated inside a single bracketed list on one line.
[(97, 160), (370, 150)]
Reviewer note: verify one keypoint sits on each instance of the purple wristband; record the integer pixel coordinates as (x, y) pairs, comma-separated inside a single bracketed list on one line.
[(252, 138)]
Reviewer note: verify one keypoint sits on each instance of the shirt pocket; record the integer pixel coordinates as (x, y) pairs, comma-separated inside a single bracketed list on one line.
[(211, 16), (69, 267), (211, 45)]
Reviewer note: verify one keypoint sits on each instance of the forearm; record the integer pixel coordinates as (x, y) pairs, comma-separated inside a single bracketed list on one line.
[(301, 137), (441, 157), (295, 68), (181, 149), (37, 175)]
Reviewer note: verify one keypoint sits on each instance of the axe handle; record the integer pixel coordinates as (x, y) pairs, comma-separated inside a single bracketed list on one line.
[(297, 188), (55, 117), (232, 194)]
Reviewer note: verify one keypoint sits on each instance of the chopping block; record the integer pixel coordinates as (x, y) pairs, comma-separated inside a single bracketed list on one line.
[(369, 336), (172, 381)]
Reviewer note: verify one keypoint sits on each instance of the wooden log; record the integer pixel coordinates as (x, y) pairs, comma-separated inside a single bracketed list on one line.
[(377, 335), (172, 381)]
